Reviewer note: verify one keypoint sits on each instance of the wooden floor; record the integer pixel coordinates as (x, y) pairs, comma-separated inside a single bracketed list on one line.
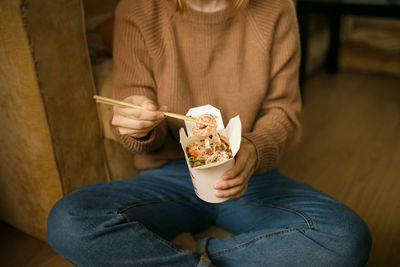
[(20, 250), (350, 150)]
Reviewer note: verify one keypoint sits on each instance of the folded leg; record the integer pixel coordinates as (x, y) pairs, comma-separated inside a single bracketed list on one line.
[(281, 222), (129, 222)]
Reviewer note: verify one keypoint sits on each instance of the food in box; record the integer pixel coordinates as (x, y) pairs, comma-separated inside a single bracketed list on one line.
[(204, 175)]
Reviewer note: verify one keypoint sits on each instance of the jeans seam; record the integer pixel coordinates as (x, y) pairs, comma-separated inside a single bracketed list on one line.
[(317, 243), (306, 218), (145, 202), (246, 244), (142, 202)]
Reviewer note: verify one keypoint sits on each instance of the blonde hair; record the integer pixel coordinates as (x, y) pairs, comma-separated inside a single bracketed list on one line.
[(236, 4)]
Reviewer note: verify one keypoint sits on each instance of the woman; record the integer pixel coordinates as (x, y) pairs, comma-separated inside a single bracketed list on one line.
[(242, 57)]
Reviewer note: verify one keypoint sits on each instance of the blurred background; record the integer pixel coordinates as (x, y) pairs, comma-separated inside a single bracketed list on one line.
[(350, 82)]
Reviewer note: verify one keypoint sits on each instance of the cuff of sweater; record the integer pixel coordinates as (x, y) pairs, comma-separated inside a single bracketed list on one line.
[(139, 146), (267, 150)]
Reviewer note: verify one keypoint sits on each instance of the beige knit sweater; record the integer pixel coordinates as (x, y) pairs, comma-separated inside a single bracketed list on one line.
[(244, 63)]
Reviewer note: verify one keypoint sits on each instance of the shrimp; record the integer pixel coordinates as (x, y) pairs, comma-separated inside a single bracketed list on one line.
[(205, 130)]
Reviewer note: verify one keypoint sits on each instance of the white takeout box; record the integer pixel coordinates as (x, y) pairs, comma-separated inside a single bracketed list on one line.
[(204, 177)]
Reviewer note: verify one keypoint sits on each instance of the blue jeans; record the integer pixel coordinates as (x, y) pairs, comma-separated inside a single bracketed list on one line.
[(278, 222)]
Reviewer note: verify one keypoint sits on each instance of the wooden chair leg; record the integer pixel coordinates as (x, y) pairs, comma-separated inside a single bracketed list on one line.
[(332, 59)]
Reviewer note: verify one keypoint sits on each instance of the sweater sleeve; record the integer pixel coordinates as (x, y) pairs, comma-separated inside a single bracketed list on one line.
[(277, 127), (132, 75)]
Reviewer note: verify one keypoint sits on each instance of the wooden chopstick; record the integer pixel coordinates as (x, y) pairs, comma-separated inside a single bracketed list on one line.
[(113, 102)]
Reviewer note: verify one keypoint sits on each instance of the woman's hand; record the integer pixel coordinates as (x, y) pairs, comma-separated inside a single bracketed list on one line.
[(135, 122), (235, 181)]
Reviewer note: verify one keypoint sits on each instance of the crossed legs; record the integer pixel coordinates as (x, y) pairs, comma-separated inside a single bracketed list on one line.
[(278, 222)]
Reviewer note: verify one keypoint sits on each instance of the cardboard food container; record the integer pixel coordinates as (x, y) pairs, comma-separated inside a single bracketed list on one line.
[(204, 177)]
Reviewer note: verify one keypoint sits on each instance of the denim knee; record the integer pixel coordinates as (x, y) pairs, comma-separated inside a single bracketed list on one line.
[(58, 227), (359, 241), (64, 231), (350, 239)]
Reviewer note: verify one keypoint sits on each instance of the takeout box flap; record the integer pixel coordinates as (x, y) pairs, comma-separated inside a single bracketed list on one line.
[(234, 132), (183, 139)]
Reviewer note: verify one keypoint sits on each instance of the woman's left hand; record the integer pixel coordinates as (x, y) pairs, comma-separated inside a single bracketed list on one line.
[(235, 181)]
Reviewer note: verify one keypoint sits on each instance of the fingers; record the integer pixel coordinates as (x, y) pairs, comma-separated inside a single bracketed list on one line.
[(143, 101), (230, 192), (124, 122), (150, 112), (225, 184), (137, 122), (138, 114), (240, 164), (234, 187), (234, 182), (242, 192)]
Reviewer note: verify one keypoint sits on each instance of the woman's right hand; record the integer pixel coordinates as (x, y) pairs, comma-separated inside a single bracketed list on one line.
[(135, 122)]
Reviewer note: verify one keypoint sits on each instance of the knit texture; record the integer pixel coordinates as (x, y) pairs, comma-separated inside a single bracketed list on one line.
[(244, 63)]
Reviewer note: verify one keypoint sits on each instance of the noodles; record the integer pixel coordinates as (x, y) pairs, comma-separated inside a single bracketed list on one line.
[(212, 148), (208, 150)]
